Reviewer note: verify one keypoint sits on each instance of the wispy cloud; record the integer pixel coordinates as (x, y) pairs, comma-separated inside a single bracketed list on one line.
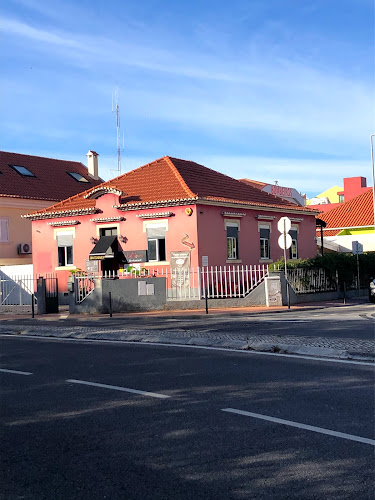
[(237, 89)]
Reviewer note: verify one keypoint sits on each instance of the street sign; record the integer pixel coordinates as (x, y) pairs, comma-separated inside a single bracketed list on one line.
[(357, 248), (284, 225), (285, 241)]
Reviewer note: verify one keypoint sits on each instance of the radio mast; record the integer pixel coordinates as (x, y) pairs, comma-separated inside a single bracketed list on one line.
[(116, 109)]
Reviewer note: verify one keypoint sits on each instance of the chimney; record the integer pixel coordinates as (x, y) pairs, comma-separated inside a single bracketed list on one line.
[(92, 164)]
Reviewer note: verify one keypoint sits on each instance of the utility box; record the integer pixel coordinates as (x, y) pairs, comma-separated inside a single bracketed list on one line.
[(273, 291)]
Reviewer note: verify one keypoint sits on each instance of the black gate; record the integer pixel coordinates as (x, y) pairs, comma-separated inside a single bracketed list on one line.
[(52, 294)]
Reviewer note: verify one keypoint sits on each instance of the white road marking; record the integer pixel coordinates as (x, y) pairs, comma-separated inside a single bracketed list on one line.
[(225, 349), (117, 388), (320, 430), (15, 371)]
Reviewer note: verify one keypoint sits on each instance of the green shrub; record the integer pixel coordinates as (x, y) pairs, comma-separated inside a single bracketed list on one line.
[(345, 264)]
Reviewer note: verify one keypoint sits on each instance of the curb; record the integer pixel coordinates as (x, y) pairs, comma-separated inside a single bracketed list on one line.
[(242, 345)]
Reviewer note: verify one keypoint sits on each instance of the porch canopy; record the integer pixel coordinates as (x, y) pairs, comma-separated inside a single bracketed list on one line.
[(104, 249)]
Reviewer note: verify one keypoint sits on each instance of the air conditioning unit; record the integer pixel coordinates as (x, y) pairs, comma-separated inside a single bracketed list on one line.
[(23, 248)]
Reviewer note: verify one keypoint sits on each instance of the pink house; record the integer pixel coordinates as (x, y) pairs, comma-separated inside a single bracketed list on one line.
[(162, 213)]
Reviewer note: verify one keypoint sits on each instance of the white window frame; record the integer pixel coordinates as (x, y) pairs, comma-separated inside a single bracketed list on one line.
[(64, 233), (4, 223), (262, 242), (232, 248), (156, 225), (295, 241), (232, 242)]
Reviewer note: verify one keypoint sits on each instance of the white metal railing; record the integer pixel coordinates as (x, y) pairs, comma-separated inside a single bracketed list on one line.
[(16, 290), (83, 286), (186, 283)]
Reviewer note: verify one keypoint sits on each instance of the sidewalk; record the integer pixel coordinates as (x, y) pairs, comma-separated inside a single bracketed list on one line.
[(149, 328)]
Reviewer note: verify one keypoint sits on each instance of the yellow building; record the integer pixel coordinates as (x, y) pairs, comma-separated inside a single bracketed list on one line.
[(29, 183), (331, 194)]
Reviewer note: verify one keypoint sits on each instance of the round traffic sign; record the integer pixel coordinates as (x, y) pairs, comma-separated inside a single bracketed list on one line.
[(284, 225), (285, 241)]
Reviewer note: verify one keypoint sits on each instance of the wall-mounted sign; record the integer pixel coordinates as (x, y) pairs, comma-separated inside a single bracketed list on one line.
[(135, 256), (96, 257), (180, 269), (92, 266), (281, 191), (204, 260)]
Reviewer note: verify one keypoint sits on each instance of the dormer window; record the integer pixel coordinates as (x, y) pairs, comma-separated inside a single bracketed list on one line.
[(78, 177), (22, 171)]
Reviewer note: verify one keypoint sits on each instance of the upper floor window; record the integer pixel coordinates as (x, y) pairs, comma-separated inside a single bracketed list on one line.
[(156, 243), (4, 230), (22, 170), (108, 231), (232, 240), (264, 238), (64, 248), (341, 198)]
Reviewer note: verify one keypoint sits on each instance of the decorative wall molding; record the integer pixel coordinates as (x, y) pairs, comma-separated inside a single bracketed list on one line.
[(108, 219), (157, 215), (64, 223), (233, 214)]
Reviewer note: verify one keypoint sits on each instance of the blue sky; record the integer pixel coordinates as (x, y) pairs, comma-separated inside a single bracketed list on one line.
[(268, 90)]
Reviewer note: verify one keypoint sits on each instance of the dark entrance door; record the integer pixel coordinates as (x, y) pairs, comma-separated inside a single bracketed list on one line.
[(110, 265), (52, 295)]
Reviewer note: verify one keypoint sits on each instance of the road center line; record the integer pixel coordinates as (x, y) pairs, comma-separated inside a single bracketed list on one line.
[(320, 430), (117, 388), (15, 371)]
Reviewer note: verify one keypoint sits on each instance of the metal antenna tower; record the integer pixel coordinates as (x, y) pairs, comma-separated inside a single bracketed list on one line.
[(116, 109)]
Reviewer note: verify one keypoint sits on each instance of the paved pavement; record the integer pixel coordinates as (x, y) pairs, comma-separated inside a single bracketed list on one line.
[(161, 327)]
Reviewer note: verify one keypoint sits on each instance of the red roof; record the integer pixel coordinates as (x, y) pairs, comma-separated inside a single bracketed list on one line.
[(170, 180), (256, 184), (357, 212), (51, 180)]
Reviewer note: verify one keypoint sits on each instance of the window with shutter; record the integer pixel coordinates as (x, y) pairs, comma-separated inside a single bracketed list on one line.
[(264, 239), (64, 249), (156, 243), (232, 241), (4, 230)]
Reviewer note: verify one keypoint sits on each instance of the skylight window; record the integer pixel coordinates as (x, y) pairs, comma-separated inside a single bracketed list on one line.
[(22, 171), (78, 177)]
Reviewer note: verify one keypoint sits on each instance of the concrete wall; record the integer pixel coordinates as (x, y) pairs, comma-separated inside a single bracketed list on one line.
[(124, 295)]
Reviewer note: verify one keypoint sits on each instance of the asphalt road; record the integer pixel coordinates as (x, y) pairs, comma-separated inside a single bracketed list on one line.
[(64, 439)]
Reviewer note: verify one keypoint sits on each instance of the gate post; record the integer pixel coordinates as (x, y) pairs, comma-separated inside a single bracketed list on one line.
[(41, 295)]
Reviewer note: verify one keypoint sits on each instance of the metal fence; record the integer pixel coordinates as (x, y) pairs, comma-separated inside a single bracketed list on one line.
[(187, 283), (312, 280), (16, 290)]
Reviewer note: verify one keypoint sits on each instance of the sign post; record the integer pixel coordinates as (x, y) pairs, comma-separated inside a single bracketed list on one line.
[(285, 241), (357, 249)]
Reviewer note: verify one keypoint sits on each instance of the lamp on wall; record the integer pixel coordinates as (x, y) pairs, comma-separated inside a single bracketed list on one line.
[(122, 239), (93, 240)]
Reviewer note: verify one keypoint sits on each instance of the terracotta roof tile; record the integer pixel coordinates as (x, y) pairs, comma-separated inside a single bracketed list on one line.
[(256, 184), (358, 212), (51, 181), (174, 179)]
